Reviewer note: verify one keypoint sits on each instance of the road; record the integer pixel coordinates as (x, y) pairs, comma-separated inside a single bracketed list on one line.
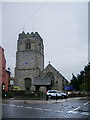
[(67, 109)]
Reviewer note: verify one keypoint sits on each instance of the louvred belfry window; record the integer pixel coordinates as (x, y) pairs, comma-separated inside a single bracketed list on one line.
[(28, 45)]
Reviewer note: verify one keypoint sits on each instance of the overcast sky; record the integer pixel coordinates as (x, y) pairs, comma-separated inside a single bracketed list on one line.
[(62, 25)]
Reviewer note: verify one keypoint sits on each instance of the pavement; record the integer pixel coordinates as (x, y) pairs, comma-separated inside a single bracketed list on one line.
[(50, 101)]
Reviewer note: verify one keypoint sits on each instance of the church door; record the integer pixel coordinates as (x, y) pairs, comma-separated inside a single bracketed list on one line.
[(27, 83)]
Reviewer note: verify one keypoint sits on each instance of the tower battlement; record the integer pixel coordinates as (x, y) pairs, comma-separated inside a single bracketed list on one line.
[(29, 35)]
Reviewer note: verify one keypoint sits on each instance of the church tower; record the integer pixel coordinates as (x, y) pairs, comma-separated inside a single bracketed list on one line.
[(29, 59)]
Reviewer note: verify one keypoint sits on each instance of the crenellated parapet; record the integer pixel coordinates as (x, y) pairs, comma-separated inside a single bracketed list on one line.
[(27, 35)]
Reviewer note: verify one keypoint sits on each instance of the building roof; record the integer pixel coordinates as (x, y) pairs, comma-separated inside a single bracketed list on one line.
[(50, 66), (46, 79), (42, 81)]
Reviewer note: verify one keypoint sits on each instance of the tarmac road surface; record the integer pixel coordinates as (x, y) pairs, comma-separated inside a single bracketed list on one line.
[(74, 108)]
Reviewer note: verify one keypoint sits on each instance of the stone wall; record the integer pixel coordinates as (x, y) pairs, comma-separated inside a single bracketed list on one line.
[(58, 78), (29, 62)]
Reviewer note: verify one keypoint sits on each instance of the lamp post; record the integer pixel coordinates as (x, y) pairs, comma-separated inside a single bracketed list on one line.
[(84, 83)]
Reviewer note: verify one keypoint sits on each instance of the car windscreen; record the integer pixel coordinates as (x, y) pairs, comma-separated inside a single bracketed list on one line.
[(54, 92)]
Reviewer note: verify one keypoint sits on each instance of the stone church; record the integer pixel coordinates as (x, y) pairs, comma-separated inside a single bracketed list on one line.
[(30, 73)]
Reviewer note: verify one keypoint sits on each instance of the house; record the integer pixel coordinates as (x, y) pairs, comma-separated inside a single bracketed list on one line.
[(4, 74)]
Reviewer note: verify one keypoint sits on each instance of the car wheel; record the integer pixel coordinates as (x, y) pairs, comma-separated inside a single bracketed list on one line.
[(65, 97), (61, 97), (49, 96)]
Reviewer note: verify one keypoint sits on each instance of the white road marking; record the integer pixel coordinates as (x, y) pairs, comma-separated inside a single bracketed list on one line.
[(71, 111), (12, 105), (29, 107), (86, 103), (58, 111), (37, 108), (85, 113), (4, 104), (17, 106), (47, 110), (21, 106), (74, 110)]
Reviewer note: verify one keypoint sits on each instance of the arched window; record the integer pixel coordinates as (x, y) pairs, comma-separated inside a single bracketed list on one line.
[(39, 47), (49, 74), (28, 83), (28, 45)]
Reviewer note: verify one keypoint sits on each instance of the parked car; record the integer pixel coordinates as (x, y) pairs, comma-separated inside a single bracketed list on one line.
[(53, 94), (64, 95), (56, 93)]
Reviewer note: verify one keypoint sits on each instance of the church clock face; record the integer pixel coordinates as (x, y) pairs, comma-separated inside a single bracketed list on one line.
[(27, 63)]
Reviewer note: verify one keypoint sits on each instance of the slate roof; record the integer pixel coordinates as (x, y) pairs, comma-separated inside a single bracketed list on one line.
[(47, 80), (42, 81), (49, 65)]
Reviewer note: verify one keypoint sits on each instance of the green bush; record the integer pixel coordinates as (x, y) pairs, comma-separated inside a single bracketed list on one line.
[(23, 93)]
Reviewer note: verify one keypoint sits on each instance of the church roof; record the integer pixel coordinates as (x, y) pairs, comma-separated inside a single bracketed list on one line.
[(50, 66), (46, 79)]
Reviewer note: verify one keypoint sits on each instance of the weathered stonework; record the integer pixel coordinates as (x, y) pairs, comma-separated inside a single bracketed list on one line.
[(58, 80), (29, 71), (29, 58)]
